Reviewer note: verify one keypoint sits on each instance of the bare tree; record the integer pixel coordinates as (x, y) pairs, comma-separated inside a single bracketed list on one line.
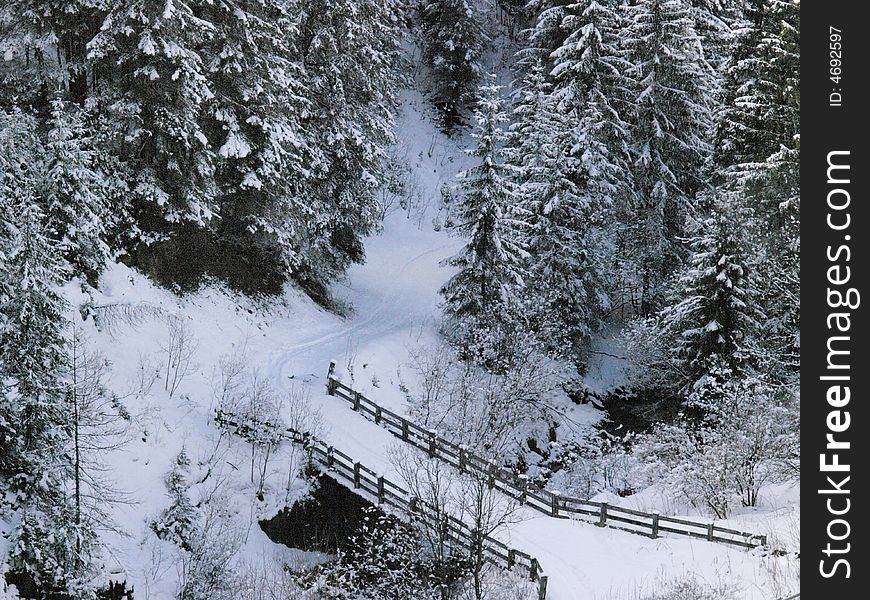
[(180, 348), (433, 491), (491, 412), (301, 416), (98, 424), (487, 511)]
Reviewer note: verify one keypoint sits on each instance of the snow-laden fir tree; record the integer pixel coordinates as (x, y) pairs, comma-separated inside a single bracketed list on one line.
[(178, 521), (758, 159), (715, 324), (32, 322), (714, 21), (559, 199), (547, 32), (50, 548), (263, 151), (483, 293), (672, 88), (589, 87), (743, 134), (47, 43), (154, 86), (75, 193), (453, 43)]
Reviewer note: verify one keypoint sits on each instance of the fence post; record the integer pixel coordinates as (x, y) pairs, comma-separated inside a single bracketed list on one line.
[(330, 457), (356, 399), (377, 414), (602, 517), (533, 569), (555, 503), (462, 458), (412, 505), (710, 532), (512, 558), (432, 444), (763, 540), (490, 471), (524, 487), (380, 489), (356, 477), (405, 429), (330, 380), (542, 588), (655, 525)]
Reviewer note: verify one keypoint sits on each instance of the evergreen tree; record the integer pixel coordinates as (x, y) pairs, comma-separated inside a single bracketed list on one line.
[(588, 86), (670, 123), (32, 348), (453, 43), (715, 323), (154, 87), (547, 32), (178, 523), (758, 138), (75, 194), (46, 41), (350, 53), (49, 547), (490, 265), (558, 206), (264, 154)]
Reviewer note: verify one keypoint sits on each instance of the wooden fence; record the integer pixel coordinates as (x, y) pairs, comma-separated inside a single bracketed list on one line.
[(517, 486), (387, 493)]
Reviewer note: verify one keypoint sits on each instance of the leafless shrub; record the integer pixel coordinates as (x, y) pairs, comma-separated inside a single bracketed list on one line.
[(111, 318), (180, 348)]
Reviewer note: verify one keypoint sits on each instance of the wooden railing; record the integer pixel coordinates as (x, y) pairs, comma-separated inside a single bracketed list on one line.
[(554, 504), (367, 481)]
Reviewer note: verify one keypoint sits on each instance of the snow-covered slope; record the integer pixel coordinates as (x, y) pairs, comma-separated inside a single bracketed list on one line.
[(290, 342)]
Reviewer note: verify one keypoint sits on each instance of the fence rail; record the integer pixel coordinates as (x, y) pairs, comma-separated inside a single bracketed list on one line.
[(517, 486), (364, 479)]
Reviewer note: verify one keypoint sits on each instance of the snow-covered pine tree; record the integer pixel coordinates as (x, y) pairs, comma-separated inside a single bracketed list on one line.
[(547, 32), (453, 43), (50, 548), (32, 354), (560, 197), (153, 85), (670, 119), (46, 41), (254, 121), (74, 193), (481, 294), (715, 324), (758, 161), (178, 522), (588, 83), (714, 20), (741, 134)]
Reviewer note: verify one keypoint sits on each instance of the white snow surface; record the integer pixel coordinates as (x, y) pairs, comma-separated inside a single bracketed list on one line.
[(394, 299)]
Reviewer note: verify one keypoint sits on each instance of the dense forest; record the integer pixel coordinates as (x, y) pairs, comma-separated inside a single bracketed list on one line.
[(635, 164)]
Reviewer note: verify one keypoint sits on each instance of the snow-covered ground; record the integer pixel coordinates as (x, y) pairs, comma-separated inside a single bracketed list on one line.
[(290, 342)]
